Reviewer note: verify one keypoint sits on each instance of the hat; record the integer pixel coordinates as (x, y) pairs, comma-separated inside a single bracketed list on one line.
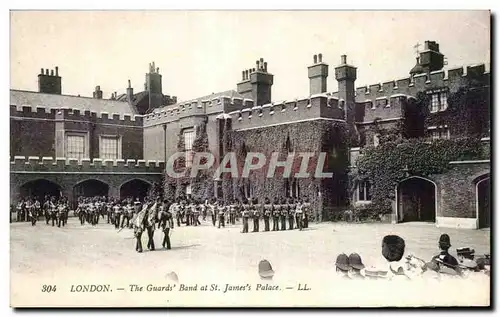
[(444, 241), (393, 248), (265, 269), (355, 261), (342, 262), (465, 251)]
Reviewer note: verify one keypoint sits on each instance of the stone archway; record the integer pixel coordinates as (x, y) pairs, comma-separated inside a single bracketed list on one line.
[(416, 200), (483, 202), (90, 188), (40, 188), (135, 188)]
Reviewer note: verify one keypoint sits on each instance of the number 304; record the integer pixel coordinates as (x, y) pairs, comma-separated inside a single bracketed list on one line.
[(48, 288)]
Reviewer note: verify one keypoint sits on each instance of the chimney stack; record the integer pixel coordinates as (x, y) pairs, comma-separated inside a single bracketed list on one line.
[(318, 74), (49, 83), (257, 83), (97, 92), (346, 76), (130, 92)]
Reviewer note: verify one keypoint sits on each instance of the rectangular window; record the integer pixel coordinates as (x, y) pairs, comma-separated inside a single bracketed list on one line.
[(364, 191), (381, 103), (189, 136), (439, 101), (75, 146), (109, 147), (439, 133)]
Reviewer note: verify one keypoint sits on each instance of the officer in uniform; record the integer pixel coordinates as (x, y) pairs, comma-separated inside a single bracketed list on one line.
[(256, 214), (276, 213), (245, 214), (283, 213), (268, 210), (166, 223), (291, 213)]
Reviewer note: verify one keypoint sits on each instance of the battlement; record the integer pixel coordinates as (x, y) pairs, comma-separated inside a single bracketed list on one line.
[(314, 107), (196, 108), (41, 112), (390, 107), (72, 165), (452, 79)]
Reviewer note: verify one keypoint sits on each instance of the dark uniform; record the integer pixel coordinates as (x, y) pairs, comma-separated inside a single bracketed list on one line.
[(221, 209), (150, 225), (306, 207), (283, 213), (212, 209), (299, 214), (166, 223), (291, 214), (245, 214), (275, 214), (232, 212), (127, 214), (256, 215)]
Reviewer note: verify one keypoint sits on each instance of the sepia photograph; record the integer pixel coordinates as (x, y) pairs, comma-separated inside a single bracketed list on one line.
[(250, 159)]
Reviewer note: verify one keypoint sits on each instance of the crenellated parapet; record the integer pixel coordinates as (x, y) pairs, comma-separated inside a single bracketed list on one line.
[(22, 164), (68, 114), (222, 104), (451, 79), (283, 112), (390, 107)]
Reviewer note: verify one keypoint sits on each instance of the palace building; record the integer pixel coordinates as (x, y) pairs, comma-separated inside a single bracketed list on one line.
[(81, 146)]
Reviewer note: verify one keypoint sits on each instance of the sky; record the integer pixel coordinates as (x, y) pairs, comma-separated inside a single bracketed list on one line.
[(203, 52)]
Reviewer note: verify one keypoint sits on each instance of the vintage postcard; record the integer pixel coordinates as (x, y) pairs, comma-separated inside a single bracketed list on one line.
[(250, 158)]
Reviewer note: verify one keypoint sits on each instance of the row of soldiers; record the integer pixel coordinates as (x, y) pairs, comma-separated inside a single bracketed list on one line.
[(118, 213), (54, 209)]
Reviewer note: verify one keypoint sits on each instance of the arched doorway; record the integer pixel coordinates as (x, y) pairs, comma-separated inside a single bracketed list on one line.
[(136, 188), (483, 202), (90, 188), (40, 188), (416, 200)]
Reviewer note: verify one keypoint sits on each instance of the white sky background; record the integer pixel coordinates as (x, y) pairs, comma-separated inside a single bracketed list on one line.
[(201, 52)]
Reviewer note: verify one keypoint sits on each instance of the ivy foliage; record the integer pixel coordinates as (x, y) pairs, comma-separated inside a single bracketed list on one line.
[(404, 151)]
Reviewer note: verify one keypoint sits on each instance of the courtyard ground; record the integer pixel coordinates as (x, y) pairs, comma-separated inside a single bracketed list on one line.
[(205, 255)]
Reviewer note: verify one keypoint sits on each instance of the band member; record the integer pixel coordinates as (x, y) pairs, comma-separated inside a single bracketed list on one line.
[(20, 207), (30, 207), (245, 214), (222, 211), (306, 207), (179, 211), (139, 225), (276, 208), (150, 223), (283, 213), (127, 214), (46, 210), (212, 210), (291, 213), (53, 211), (166, 223), (299, 214), (38, 209), (117, 211), (196, 212), (60, 214), (232, 212), (268, 210)]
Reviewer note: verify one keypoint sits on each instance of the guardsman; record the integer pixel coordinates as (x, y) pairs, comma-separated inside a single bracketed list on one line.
[(139, 226), (150, 223), (30, 207), (179, 210), (38, 209), (307, 210), (283, 213), (221, 209), (20, 206), (196, 212), (60, 213), (53, 210), (64, 213), (232, 212), (46, 210), (212, 210), (276, 213), (117, 211), (245, 215), (291, 213), (109, 210), (299, 214), (80, 210), (268, 211), (127, 214), (256, 214), (166, 223)]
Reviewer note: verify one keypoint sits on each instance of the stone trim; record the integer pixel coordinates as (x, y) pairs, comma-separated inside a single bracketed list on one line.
[(455, 222)]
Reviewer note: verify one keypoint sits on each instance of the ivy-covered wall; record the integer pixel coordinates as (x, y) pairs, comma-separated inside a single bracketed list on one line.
[(328, 195)]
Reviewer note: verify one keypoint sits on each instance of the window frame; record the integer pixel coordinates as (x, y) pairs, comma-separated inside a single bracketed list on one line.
[(118, 146), (439, 94), (189, 152), (364, 187), (86, 143)]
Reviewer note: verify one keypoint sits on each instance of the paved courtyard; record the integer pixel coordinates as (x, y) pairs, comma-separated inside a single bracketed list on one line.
[(100, 255)]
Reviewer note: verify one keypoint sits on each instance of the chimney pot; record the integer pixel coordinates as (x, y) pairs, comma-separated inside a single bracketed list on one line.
[(243, 75), (51, 72), (41, 71), (315, 59), (253, 70), (343, 59), (157, 70), (46, 71), (129, 85), (265, 67), (57, 71), (320, 57)]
